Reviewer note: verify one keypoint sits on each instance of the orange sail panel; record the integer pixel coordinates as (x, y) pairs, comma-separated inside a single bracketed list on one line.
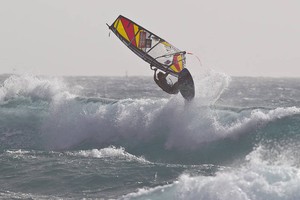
[(150, 47)]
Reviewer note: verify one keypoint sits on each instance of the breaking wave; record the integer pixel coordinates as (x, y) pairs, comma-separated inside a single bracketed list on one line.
[(109, 152), (66, 121), (175, 146), (36, 88), (260, 176)]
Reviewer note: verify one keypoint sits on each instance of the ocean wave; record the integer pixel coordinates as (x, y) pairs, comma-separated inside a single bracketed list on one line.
[(258, 178), (33, 87), (210, 85), (19, 153), (130, 122), (71, 122), (20, 195), (256, 119), (28, 155), (109, 152), (145, 126)]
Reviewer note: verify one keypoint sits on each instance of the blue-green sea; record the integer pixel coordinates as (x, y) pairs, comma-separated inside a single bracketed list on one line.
[(124, 138)]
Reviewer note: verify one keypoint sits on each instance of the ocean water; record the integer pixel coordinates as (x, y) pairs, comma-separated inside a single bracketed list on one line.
[(124, 138)]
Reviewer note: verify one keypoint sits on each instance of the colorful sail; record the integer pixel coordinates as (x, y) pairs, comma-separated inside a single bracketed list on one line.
[(151, 48)]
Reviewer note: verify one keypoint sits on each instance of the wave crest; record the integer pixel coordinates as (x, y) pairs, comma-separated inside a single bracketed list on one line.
[(34, 87)]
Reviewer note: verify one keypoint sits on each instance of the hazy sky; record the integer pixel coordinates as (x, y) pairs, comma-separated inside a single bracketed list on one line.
[(69, 37)]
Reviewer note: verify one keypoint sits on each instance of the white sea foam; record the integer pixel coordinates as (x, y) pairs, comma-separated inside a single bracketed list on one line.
[(187, 125), (256, 119), (21, 154), (209, 86), (135, 120), (259, 178), (19, 195), (76, 122), (17, 152), (109, 152), (201, 125), (132, 121), (34, 87)]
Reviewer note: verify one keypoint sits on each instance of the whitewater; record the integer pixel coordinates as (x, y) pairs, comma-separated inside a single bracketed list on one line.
[(124, 138)]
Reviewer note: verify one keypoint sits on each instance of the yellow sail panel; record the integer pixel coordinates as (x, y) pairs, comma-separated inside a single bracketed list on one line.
[(173, 68), (179, 61), (137, 37), (116, 23), (120, 28), (166, 44), (177, 64), (148, 46)]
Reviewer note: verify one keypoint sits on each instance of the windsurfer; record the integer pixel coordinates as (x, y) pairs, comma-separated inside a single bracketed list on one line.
[(161, 81)]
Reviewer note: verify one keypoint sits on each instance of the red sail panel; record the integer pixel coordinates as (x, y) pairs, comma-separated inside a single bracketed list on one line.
[(148, 46), (129, 28)]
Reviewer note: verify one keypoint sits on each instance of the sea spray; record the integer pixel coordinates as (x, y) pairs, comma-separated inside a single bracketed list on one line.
[(210, 85), (137, 119), (259, 178), (239, 141), (33, 87)]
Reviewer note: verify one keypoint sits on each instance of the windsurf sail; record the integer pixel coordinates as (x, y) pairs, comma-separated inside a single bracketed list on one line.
[(153, 49)]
